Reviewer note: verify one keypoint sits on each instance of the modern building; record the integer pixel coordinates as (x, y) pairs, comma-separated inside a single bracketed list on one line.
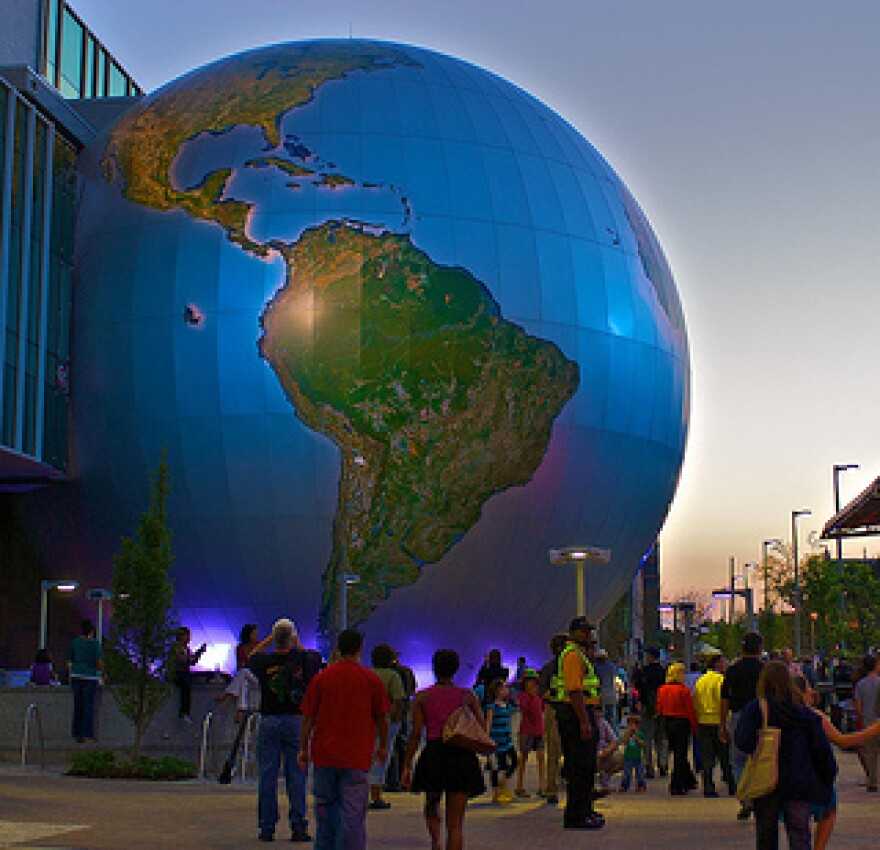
[(58, 86)]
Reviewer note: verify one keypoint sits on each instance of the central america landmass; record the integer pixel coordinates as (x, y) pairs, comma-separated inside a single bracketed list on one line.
[(434, 400)]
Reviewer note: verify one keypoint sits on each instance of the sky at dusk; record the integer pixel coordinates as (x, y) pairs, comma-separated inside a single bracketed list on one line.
[(749, 133)]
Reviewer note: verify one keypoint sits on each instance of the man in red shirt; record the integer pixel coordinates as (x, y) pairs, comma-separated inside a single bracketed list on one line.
[(344, 709)]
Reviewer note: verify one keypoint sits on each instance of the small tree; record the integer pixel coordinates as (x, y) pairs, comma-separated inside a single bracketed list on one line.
[(143, 626)]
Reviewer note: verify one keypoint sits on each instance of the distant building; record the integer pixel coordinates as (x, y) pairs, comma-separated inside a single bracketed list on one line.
[(634, 621)]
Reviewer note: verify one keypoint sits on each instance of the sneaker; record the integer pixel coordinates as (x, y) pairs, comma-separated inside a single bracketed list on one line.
[(552, 799), (623, 789), (522, 793), (642, 789), (600, 792), (266, 836), (300, 836), (745, 812), (711, 793), (379, 805), (872, 789)]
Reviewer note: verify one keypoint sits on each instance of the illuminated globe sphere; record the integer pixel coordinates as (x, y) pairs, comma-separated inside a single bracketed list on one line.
[(397, 326)]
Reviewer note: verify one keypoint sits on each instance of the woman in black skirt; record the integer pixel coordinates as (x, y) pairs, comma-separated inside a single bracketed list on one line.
[(443, 768)]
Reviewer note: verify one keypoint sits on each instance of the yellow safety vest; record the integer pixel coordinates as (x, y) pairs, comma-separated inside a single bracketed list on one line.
[(591, 680)]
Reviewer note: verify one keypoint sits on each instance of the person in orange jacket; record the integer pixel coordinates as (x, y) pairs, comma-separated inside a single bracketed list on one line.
[(676, 706)]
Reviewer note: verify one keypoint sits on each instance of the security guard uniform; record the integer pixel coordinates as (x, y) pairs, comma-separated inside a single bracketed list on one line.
[(580, 756)]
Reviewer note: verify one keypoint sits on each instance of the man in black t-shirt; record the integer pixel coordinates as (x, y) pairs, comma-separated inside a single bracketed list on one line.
[(284, 675), (738, 689)]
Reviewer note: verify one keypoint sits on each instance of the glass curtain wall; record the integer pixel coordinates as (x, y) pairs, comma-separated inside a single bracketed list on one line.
[(58, 314), (76, 62), (38, 188)]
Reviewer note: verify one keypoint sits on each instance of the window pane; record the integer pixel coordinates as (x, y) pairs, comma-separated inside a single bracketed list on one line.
[(55, 380), (71, 56), (118, 82), (88, 82), (4, 105), (51, 41), (14, 280), (101, 75)]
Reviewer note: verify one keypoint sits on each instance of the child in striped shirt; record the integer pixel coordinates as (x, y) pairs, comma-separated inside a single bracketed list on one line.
[(502, 763)]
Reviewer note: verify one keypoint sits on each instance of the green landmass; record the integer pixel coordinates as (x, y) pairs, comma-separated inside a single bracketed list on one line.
[(335, 181), (251, 89), (206, 202), (282, 164), (435, 401)]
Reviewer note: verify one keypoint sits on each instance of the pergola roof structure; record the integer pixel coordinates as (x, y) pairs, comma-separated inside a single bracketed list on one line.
[(860, 518)]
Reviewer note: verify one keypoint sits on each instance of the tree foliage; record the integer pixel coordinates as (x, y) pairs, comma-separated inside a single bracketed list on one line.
[(826, 587), (143, 626)]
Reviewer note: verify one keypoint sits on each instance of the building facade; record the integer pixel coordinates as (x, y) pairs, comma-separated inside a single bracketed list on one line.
[(58, 85)]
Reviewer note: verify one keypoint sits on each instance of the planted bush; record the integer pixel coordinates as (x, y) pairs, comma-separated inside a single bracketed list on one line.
[(103, 764)]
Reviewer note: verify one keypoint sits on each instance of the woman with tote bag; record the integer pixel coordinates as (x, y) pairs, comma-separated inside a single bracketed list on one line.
[(806, 766)]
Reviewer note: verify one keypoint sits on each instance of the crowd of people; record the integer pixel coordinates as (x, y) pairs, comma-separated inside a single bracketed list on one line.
[(365, 731)]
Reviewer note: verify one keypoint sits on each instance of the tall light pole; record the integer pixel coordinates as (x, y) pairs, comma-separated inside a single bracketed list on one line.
[(346, 580), (65, 586), (764, 546), (838, 468), (730, 611), (797, 579), (579, 555), (100, 595)]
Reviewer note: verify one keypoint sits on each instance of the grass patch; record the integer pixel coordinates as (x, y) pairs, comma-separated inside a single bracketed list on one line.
[(103, 764)]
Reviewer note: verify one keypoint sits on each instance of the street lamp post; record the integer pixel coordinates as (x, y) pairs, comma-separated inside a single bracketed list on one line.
[(838, 468), (749, 595), (579, 555), (345, 581), (65, 586), (730, 610), (797, 581), (100, 595)]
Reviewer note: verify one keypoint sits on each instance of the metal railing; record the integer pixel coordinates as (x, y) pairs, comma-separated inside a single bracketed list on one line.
[(32, 712), (250, 730), (203, 749)]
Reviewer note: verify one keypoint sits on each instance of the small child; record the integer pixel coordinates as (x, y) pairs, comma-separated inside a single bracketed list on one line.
[(531, 731), (633, 745), (42, 671), (502, 763)]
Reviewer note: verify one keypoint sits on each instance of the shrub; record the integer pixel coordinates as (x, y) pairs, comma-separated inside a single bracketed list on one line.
[(102, 764)]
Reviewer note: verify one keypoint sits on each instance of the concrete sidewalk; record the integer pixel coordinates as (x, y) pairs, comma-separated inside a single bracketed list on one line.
[(46, 810)]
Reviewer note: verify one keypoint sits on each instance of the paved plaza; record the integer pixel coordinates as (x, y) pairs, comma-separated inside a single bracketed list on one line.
[(42, 809)]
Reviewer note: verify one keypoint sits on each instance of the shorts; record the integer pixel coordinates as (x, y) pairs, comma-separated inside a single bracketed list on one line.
[(527, 743)]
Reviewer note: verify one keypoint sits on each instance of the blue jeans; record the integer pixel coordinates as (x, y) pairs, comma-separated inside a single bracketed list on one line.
[(341, 795), (279, 738), (631, 766), (84, 691), (796, 815), (378, 771)]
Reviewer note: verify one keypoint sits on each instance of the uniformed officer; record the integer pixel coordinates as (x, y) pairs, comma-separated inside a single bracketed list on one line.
[(578, 698)]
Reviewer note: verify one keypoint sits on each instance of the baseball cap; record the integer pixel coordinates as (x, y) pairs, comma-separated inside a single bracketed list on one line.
[(581, 624)]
